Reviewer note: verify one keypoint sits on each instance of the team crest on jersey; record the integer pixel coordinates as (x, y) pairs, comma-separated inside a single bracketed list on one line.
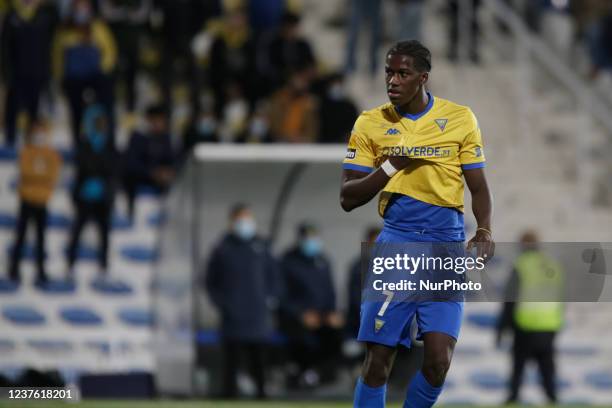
[(392, 131), (378, 324), (441, 123)]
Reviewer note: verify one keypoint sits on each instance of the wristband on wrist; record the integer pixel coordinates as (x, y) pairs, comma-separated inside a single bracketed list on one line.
[(388, 168), (485, 230)]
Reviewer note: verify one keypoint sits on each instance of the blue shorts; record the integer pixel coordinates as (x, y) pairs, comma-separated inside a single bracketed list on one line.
[(390, 324)]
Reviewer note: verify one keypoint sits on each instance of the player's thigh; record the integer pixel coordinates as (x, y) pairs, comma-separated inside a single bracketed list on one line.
[(386, 323)]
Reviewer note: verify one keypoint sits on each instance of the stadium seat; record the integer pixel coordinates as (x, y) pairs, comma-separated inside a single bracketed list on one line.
[(157, 219), (57, 287), (101, 346), (7, 153), (50, 345), (80, 316), (7, 220), (601, 380), (8, 286), (85, 252), (111, 287), (532, 376), (488, 380), (58, 221), (136, 317), (23, 315), (578, 351), (482, 320), (121, 222), (137, 253)]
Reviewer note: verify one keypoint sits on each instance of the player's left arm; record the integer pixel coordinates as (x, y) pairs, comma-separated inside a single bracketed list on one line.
[(482, 207)]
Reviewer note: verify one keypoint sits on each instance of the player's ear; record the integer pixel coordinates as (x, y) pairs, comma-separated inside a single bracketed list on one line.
[(424, 78)]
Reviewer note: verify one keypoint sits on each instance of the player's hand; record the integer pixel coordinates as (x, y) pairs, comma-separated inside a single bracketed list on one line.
[(334, 320), (311, 319), (400, 162), (484, 244)]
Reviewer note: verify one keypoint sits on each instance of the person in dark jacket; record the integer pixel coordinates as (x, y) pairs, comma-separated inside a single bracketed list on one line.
[(25, 58), (94, 188), (242, 282), (337, 112), (150, 157), (308, 311)]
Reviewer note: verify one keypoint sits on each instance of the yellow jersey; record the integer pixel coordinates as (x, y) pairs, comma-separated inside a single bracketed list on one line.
[(443, 140)]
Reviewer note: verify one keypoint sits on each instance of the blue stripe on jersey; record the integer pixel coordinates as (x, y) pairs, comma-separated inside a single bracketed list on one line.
[(349, 166), (415, 116), (406, 214), (473, 166)]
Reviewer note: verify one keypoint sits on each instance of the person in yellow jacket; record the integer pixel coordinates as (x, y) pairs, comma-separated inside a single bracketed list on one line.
[(39, 169), (84, 58), (534, 311)]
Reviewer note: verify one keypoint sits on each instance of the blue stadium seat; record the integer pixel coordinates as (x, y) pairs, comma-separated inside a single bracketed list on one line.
[(157, 219), (50, 345), (138, 253), (58, 221), (102, 346), (57, 287), (6, 345), (80, 316), (7, 220), (488, 380), (111, 287), (8, 286), (85, 253), (136, 317), (12, 372), (482, 320), (23, 315), (121, 222), (601, 380), (532, 376), (27, 252), (8, 153)]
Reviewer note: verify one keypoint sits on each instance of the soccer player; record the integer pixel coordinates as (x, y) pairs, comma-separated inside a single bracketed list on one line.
[(415, 150)]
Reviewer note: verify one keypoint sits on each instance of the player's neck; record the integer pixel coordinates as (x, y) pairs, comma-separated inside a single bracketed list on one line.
[(417, 105)]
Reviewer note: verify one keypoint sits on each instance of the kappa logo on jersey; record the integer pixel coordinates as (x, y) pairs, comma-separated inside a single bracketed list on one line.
[(378, 324), (392, 131), (351, 153), (478, 151), (441, 123)]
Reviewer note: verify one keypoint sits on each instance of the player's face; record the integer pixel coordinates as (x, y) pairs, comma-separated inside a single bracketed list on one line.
[(403, 80)]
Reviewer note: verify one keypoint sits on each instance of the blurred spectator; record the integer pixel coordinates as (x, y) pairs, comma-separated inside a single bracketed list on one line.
[(180, 22), (455, 16), (337, 113), (410, 19), (202, 128), (242, 281), (150, 158), (363, 11), (265, 14), (293, 111), (94, 188), (282, 52), (127, 20), (25, 58), (354, 288), (259, 126), (39, 169), (534, 313), (308, 311), (599, 41), (84, 57), (235, 115), (232, 58)]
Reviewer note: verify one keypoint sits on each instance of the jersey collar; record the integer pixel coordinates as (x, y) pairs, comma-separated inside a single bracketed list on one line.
[(416, 116)]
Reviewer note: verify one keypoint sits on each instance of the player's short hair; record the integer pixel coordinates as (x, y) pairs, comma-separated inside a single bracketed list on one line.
[(421, 56)]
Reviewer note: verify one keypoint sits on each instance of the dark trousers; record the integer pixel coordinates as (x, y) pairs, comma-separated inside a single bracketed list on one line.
[(453, 34), (21, 95), (131, 183), (538, 346), (38, 214), (100, 214), (234, 351), (313, 348), (83, 91)]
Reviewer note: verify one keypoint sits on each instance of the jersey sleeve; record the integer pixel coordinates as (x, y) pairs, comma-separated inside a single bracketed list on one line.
[(471, 153), (359, 152)]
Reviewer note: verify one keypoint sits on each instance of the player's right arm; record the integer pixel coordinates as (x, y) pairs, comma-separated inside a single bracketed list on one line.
[(361, 181)]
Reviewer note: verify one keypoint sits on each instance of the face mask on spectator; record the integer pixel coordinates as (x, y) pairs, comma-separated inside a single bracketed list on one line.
[(245, 228), (336, 92), (311, 246), (259, 127)]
